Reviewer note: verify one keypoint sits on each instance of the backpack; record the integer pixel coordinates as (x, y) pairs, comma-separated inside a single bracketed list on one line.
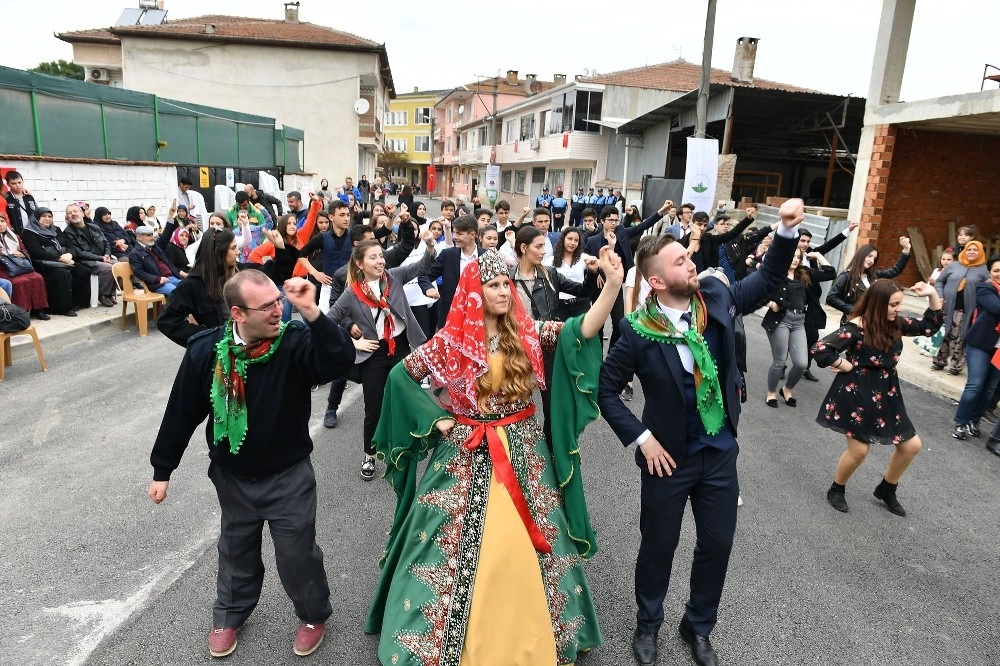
[(13, 318)]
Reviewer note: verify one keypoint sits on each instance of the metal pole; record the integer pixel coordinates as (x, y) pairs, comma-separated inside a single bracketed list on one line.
[(625, 171), (104, 132), (238, 162), (706, 71), (34, 120), (829, 171), (156, 124), (493, 119)]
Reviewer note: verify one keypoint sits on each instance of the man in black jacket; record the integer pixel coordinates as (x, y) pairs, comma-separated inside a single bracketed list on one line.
[(271, 203), (93, 250), (708, 255), (255, 391), (20, 204)]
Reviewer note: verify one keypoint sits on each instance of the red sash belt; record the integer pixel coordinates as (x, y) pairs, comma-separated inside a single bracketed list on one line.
[(504, 470)]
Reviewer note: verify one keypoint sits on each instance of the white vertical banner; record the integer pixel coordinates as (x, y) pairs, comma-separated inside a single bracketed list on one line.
[(701, 173)]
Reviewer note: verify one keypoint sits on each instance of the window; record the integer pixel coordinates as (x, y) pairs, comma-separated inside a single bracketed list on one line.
[(421, 144), (521, 182), (557, 177), (470, 140), (447, 144), (545, 123), (395, 118), (561, 114), (588, 107), (449, 114), (510, 131), (505, 178), (398, 172), (422, 115), (484, 137), (527, 127), (581, 178), (396, 145)]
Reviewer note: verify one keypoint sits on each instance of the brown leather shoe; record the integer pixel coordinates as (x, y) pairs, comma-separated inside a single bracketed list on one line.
[(308, 638), (222, 641)]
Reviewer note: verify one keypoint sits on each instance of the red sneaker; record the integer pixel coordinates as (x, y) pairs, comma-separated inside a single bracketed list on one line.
[(222, 641), (308, 638)]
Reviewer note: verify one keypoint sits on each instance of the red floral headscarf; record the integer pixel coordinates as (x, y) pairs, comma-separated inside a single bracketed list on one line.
[(456, 355)]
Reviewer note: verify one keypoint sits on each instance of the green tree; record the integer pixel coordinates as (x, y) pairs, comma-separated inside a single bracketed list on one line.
[(68, 70)]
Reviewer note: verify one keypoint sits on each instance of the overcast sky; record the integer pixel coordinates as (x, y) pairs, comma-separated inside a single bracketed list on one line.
[(445, 44)]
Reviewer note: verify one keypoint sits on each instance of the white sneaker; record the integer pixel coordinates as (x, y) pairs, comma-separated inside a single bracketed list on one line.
[(739, 500)]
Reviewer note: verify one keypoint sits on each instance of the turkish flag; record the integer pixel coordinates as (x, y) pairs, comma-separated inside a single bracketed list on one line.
[(432, 178), (515, 146), (565, 139)]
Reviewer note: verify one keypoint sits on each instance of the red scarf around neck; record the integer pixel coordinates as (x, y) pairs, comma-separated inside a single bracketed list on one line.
[(365, 295)]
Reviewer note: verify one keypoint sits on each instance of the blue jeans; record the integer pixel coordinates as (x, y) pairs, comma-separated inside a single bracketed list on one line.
[(788, 340), (981, 386), (7, 286), (168, 287)]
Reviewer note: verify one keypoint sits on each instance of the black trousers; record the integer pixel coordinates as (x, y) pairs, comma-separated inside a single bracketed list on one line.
[(65, 286), (286, 500), (374, 374), (709, 478), (617, 313), (812, 337)]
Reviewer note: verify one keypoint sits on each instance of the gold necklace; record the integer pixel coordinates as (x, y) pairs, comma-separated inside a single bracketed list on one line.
[(493, 344)]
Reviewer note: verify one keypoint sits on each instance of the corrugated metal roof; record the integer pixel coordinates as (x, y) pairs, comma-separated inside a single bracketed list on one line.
[(681, 75)]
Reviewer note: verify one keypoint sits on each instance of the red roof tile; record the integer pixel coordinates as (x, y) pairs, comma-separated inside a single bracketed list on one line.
[(682, 76)]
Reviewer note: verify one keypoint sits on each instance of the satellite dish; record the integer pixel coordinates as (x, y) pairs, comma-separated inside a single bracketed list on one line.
[(361, 106), (461, 109)]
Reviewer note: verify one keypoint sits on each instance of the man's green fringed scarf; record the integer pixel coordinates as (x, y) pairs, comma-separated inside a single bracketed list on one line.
[(649, 322), (229, 405)]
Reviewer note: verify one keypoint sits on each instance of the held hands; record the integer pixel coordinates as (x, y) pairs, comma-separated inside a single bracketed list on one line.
[(665, 208), (428, 237), (792, 212), (841, 366), (904, 242), (301, 293), (658, 460), (444, 426), (592, 264), (611, 265), (772, 306), (158, 491), (923, 289)]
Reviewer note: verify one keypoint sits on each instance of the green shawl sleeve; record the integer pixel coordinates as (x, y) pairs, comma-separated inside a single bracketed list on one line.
[(406, 432), (574, 399)]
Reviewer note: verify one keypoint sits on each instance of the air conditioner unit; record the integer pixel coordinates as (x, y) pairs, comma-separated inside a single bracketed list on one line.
[(98, 74), (535, 144)]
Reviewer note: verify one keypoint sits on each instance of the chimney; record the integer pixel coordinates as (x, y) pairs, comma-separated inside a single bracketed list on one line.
[(746, 56), (416, 89), (292, 12), (559, 79), (529, 81), (209, 28), (512, 77)]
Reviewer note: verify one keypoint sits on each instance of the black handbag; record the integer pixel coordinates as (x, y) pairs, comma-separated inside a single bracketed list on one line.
[(16, 265), (13, 318)]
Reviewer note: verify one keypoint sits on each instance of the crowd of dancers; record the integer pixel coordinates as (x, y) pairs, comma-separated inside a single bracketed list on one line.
[(450, 325)]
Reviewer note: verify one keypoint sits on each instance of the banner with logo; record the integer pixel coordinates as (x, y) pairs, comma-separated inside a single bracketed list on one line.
[(492, 183), (701, 174)]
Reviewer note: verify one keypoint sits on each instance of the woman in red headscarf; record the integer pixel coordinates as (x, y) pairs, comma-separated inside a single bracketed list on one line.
[(483, 564)]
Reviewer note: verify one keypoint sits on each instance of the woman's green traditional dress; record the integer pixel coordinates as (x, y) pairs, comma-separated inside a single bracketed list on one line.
[(462, 581)]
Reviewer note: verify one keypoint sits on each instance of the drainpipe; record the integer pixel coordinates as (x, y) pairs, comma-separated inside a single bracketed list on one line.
[(34, 120), (104, 131)]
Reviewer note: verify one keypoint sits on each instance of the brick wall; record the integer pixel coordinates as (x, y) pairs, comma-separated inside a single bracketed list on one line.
[(117, 187), (926, 179), (727, 173)]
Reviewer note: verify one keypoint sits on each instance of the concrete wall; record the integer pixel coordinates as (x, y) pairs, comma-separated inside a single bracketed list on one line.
[(117, 187), (926, 179), (313, 90), (651, 159)]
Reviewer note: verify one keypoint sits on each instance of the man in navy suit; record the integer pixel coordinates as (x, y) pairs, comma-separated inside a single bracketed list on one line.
[(450, 263), (681, 345)]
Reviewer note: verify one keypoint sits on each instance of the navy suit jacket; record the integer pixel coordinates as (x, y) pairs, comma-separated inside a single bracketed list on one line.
[(659, 368), (447, 267)]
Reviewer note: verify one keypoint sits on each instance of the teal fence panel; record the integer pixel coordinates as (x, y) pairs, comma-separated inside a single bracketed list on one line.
[(131, 134), (256, 149), (181, 135), (17, 131), (70, 128), (218, 142)]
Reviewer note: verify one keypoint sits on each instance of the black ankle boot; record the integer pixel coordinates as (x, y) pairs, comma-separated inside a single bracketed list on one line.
[(835, 496), (886, 492)]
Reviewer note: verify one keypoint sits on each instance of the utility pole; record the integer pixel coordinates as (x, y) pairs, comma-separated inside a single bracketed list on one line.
[(701, 107), (493, 119)]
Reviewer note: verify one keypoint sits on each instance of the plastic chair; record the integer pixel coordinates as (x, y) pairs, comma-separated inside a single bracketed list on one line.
[(123, 276), (8, 357)]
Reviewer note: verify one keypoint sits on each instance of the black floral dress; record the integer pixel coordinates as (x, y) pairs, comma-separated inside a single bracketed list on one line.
[(866, 404)]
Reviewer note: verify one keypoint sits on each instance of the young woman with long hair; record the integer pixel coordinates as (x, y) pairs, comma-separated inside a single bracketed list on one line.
[(956, 285), (495, 545), (860, 273), (570, 261), (785, 325), (864, 402), (373, 308)]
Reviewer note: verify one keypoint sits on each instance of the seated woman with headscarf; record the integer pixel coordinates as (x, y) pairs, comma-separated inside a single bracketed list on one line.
[(66, 281), (28, 287), (120, 240), (484, 556)]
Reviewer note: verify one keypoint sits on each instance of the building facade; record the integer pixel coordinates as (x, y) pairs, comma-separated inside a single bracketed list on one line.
[(408, 127), (333, 85)]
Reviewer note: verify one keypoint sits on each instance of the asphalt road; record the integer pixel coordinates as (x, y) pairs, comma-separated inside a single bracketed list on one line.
[(94, 573)]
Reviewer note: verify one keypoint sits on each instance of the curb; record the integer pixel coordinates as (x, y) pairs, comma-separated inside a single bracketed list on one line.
[(22, 349)]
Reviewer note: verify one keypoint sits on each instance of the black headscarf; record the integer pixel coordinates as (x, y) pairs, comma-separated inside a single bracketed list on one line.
[(35, 226), (99, 214)]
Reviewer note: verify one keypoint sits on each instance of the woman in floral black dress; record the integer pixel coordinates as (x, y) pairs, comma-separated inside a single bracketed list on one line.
[(864, 402)]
